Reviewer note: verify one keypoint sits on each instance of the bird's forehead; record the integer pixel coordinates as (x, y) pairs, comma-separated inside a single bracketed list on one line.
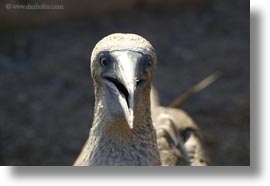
[(118, 42)]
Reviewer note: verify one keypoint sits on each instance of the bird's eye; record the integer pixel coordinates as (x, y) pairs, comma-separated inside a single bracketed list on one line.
[(149, 61), (104, 61)]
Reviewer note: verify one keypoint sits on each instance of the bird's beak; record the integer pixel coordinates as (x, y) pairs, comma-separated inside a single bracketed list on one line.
[(128, 75)]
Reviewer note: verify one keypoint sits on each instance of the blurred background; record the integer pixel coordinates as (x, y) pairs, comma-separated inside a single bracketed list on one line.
[(46, 93)]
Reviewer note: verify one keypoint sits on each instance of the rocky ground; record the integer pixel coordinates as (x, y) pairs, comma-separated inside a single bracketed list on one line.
[(46, 93)]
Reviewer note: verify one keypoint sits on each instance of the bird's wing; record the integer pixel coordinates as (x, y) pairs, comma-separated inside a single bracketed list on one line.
[(178, 138)]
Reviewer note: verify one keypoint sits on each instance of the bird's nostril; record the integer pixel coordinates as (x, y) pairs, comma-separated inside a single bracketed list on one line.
[(140, 82)]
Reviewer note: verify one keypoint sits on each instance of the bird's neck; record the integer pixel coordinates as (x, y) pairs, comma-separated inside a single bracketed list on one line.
[(112, 142)]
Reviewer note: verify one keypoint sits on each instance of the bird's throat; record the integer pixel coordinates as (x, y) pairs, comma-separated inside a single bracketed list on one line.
[(117, 144)]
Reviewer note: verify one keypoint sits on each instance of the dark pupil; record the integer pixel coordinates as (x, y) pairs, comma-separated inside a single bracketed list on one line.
[(103, 61), (149, 62)]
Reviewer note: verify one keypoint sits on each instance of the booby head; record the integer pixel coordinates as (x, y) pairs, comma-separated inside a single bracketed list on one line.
[(122, 67)]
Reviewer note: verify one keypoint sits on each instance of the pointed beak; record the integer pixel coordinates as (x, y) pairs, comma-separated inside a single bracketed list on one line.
[(128, 105), (128, 75)]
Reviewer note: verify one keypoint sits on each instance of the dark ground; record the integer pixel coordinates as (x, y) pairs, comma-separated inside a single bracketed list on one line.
[(46, 93)]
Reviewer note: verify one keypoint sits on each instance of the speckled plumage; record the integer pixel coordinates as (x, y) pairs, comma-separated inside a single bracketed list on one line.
[(120, 41), (111, 141)]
